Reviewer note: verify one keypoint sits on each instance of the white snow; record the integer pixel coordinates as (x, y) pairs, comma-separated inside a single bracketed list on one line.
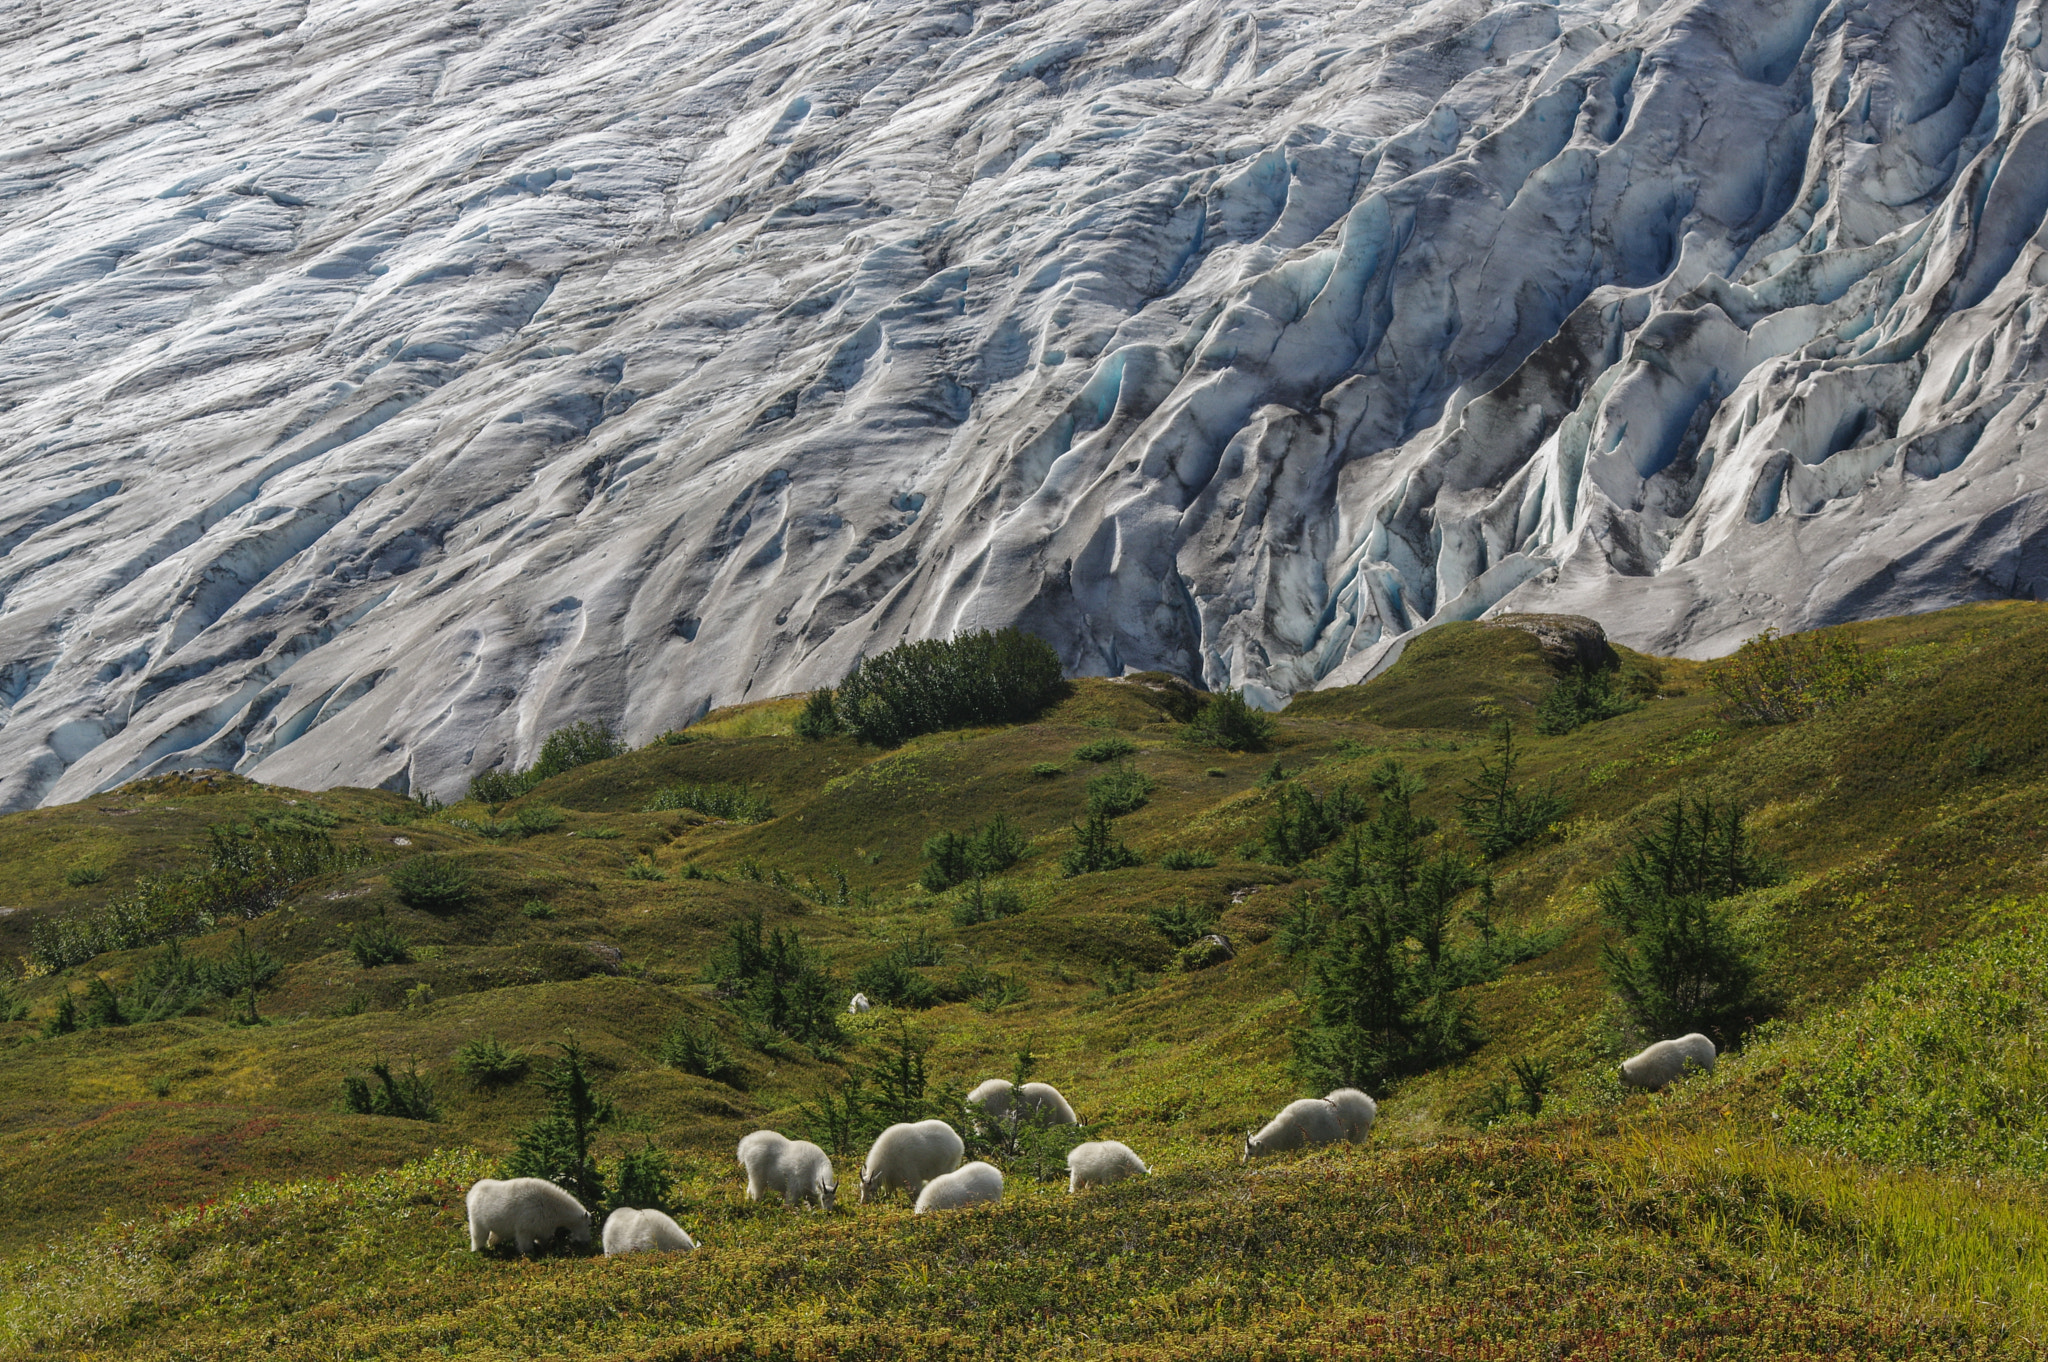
[(383, 385)]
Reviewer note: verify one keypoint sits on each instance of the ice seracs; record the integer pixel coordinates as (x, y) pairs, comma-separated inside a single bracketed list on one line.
[(382, 387)]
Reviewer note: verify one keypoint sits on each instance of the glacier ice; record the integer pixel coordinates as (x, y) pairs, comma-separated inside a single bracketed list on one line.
[(383, 385)]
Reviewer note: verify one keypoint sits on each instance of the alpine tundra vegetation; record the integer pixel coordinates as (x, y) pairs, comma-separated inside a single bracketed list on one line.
[(1856, 1176)]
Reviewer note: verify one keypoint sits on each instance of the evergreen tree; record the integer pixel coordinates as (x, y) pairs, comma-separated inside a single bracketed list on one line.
[(1500, 814), (1097, 847), (558, 1146)]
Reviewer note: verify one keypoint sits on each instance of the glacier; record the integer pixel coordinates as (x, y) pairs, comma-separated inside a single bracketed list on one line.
[(383, 385)]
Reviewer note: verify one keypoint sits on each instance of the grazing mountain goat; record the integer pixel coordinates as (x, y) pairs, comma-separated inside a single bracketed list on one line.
[(859, 1004), (976, 1183), (1356, 1111), (1667, 1061), (1101, 1162), (1346, 1114), (526, 1212), (797, 1169), (1043, 1100), (630, 1231), (909, 1156)]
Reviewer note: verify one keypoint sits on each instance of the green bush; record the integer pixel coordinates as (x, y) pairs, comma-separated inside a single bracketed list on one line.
[(890, 980), (818, 719), (734, 803), (1229, 722), (981, 902), (1579, 698), (80, 876), (645, 869), (565, 749), (1776, 680), (776, 983), (1105, 749), (642, 1179), (697, 1049), (409, 1095), (1045, 770), (1680, 963), (1200, 955), (558, 1147), (980, 678), (431, 883), (1121, 790), (539, 819), (1183, 923), (540, 910), (64, 1020), (13, 1007), (1096, 848), (488, 1065), (1188, 858), (1499, 814), (378, 943), (956, 857), (1303, 822)]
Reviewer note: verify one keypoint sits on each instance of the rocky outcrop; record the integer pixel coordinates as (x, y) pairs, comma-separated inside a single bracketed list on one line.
[(384, 385)]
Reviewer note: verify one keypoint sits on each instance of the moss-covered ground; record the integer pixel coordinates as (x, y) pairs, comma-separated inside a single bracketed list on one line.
[(191, 1187)]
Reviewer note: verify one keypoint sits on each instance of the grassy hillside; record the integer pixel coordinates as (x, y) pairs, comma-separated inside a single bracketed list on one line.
[(192, 1186)]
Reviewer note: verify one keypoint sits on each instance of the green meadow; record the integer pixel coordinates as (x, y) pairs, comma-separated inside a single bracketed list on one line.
[(1860, 1177)]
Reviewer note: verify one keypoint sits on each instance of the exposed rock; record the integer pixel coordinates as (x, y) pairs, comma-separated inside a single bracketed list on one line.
[(384, 385), (1568, 641)]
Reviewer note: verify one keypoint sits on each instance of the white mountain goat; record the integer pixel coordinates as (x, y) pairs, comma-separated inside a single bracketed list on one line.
[(630, 1231), (1041, 1100), (908, 1156), (859, 1004), (797, 1170), (1346, 1114), (1667, 1061), (525, 1212), (970, 1186), (1101, 1162)]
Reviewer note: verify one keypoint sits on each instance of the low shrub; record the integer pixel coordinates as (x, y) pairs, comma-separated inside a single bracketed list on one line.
[(1303, 822), (565, 749), (694, 1048), (1776, 680), (1228, 721), (956, 857), (409, 1095), (378, 943), (645, 869), (1188, 858), (1579, 698), (538, 909), (980, 902), (1045, 770), (1105, 749), (818, 719), (488, 1065), (79, 876), (1122, 790), (432, 883), (1183, 923), (734, 803), (539, 819), (1097, 848)]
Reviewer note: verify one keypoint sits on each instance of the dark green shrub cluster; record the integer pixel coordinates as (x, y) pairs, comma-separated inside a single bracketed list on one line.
[(539, 819), (1499, 814), (1776, 680), (1183, 923), (1680, 964), (956, 857), (565, 749), (1582, 696), (642, 1179), (894, 979), (1228, 721), (79, 876), (488, 1065), (982, 678), (559, 1146), (776, 983), (1303, 822), (734, 803), (431, 883), (1106, 749), (1188, 858), (696, 1048), (409, 1095), (377, 943), (248, 872), (1384, 969), (983, 902), (13, 1007), (1097, 847), (818, 718), (171, 983), (1119, 790)]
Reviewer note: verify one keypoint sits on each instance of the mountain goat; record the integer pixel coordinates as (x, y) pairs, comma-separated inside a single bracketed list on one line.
[(1667, 1061), (1346, 1114), (1101, 1162), (859, 1004), (630, 1231), (1000, 1100), (970, 1186), (525, 1212), (797, 1169), (908, 1156)]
